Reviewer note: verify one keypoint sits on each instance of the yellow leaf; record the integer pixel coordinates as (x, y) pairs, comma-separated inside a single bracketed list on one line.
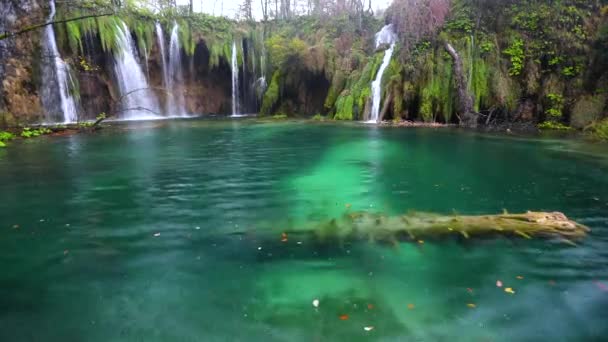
[(509, 290), (471, 305)]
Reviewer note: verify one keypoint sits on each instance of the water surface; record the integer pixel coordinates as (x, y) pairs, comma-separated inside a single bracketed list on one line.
[(128, 235)]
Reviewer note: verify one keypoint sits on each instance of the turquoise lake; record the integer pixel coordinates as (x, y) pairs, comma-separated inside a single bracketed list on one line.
[(170, 231)]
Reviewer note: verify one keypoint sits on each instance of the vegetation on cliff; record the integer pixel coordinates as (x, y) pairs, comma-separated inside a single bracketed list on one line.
[(521, 60)]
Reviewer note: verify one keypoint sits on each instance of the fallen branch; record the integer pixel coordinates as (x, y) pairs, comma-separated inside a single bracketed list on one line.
[(7, 35)]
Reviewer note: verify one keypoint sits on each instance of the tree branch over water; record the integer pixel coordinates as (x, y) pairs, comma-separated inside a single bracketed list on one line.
[(7, 35)]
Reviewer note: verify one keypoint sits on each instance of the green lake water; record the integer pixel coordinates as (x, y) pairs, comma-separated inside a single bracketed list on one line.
[(129, 235)]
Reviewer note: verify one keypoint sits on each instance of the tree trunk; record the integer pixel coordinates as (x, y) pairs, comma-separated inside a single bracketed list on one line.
[(468, 117)]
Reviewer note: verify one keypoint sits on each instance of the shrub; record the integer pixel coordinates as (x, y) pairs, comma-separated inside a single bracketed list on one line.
[(552, 125), (516, 52), (599, 129)]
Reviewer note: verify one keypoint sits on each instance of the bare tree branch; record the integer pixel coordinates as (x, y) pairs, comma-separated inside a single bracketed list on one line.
[(7, 35)]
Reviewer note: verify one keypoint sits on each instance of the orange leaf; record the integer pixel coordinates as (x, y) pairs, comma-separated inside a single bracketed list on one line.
[(370, 306), (343, 317)]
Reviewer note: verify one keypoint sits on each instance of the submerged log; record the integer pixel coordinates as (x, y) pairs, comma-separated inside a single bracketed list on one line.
[(377, 227)]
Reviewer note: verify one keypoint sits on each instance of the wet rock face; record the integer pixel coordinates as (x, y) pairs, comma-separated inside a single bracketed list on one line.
[(19, 62)]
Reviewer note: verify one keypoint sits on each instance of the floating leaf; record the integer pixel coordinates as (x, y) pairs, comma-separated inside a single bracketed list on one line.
[(283, 237), (499, 283), (370, 306), (471, 305), (370, 328), (421, 242), (509, 290), (156, 234), (411, 306), (519, 277), (469, 290), (343, 317), (315, 303)]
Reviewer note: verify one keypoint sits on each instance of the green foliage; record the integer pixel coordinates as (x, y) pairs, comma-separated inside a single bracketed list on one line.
[(318, 117), (283, 51), (279, 117), (556, 104), (28, 132), (461, 18), (553, 125), (599, 129), (6, 136), (516, 53)]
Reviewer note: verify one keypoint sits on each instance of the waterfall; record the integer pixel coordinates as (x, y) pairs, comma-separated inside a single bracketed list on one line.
[(235, 81), (56, 79), (175, 78), (161, 46), (385, 36), (137, 99)]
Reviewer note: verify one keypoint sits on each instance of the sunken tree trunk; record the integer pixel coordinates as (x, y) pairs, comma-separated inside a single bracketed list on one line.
[(468, 117)]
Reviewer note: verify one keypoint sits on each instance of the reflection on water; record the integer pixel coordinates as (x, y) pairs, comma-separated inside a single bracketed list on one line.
[(127, 235)]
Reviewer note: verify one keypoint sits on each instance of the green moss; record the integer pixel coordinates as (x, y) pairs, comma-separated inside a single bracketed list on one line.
[(599, 129), (344, 107), (271, 96), (552, 125)]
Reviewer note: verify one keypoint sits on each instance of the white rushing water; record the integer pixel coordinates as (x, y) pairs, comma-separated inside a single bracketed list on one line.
[(235, 81), (137, 99), (160, 37), (61, 71), (175, 78), (385, 36)]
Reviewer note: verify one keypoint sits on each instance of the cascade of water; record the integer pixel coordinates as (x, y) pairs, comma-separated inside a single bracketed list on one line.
[(385, 36), (161, 46), (56, 78), (235, 81), (137, 99), (147, 57), (175, 78), (243, 83)]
